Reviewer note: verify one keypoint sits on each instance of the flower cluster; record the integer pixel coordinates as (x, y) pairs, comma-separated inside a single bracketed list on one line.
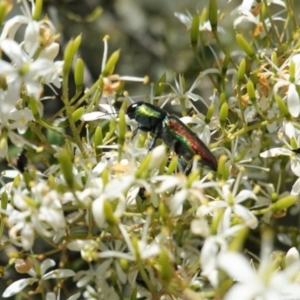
[(118, 221)]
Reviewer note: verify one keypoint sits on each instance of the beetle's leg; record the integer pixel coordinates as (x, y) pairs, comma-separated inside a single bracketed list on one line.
[(134, 132), (152, 143)]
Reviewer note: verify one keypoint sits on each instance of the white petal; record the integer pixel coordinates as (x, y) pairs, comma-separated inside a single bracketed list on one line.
[(244, 195), (152, 250), (13, 50), (75, 296), (98, 213), (193, 96), (31, 39), (12, 25), (51, 296), (278, 2), (296, 188), (59, 273), (289, 129), (96, 115), (10, 173), (46, 264), (175, 203), (77, 245), (50, 52), (292, 256), (120, 273), (237, 267), (246, 18), (6, 68), (295, 165), (293, 101), (168, 182), (241, 291), (276, 152), (17, 286), (249, 219), (27, 236), (183, 18)]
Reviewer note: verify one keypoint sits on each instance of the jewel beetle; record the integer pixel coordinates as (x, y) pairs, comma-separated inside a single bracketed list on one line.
[(172, 131)]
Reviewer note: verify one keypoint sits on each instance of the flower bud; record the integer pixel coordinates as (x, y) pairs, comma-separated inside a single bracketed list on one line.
[(292, 71), (222, 98), (105, 176), (122, 131), (135, 245), (143, 169), (34, 107), (203, 16), (163, 212), (217, 217), (157, 156), (274, 59), (68, 56), (245, 46), (241, 72), (251, 91), (160, 86), (124, 264), (66, 167), (222, 173), (3, 142), (209, 113), (284, 203), (76, 114), (37, 10), (224, 113), (52, 182), (166, 269), (17, 181), (79, 74), (111, 63), (292, 257), (3, 11), (213, 14), (77, 43), (70, 51), (282, 106), (4, 200), (98, 139), (109, 213), (112, 128), (122, 125), (194, 30), (238, 240), (172, 165)]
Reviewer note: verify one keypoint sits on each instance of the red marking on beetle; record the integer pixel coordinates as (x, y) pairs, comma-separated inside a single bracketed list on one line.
[(194, 141)]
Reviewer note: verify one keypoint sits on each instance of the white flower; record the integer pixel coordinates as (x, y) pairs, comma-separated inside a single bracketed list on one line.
[(246, 15), (231, 203), (32, 31), (19, 285), (213, 245), (144, 250), (11, 119), (294, 158), (184, 190), (264, 283), (187, 18), (180, 92), (38, 210), (23, 70)]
